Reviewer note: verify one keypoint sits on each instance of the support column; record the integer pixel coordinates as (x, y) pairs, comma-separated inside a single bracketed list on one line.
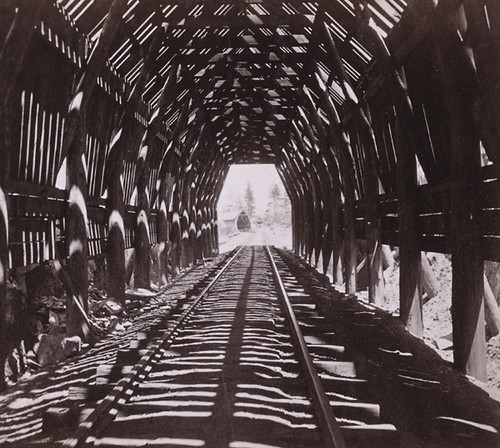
[(162, 227), (318, 192), (199, 232), (460, 88), (115, 246), (185, 252), (175, 233), (367, 138), (410, 286), (76, 231), (149, 144), (410, 264), (76, 181), (333, 171), (324, 186), (344, 152), (142, 246)]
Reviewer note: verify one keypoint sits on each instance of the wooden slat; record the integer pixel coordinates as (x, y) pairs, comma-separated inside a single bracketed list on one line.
[(490, 194)]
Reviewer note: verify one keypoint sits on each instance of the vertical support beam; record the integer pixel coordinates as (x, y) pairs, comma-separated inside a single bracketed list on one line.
[(199, 231), (149, 144), (12, 54), (373, 237), (164, 195), (220, 170), (317, 190), (344, 151), (460, 88), (76, 229), (410, 265), (185, 252), (115, 246), (76, 182), (373, 232), (336, 201), (325, 190), (410, 285), (142, 246), (175, 232), (304, 200)]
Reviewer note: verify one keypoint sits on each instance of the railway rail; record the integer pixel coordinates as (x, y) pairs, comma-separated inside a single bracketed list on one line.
[(246, 362)]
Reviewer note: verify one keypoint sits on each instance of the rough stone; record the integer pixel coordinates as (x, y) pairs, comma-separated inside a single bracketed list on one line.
[(50, 349), (42, 281), (72, 346)]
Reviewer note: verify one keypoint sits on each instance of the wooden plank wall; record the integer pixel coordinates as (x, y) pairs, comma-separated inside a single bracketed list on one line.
[(38, 206)]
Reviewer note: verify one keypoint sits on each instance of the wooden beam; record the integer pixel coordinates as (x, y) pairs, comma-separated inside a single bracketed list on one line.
[(317, 191), (162, 226), (76, 181), (115, 248), (296, 23), (335, 226), (458, 74), (344, 152), (367, 137), (235, 40), (410, 285), (484, 39), (148, 148), (88, 79)]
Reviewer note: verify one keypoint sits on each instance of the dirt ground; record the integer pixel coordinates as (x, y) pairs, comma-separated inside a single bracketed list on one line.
[(437, 315), (437, 311)]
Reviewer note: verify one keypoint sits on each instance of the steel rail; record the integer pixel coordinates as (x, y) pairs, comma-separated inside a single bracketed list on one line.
[(331, 430), (106, 411)]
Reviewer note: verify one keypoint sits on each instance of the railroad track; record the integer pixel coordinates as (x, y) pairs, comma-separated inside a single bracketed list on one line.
[(247, 362)]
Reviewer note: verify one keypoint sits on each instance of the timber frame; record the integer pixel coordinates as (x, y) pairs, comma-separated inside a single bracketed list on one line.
[(120, 119)]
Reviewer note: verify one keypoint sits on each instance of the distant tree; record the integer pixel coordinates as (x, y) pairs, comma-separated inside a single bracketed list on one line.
[(278, 211), (274, 195), (249, 199)]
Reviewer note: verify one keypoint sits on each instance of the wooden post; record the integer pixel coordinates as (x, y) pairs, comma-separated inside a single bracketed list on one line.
[(142, 260), (148, 145), (162, 226), (410, 263), (304, 202), (460, 90), (199, 229), (373, 236), (215, 228), (185, 253), (76, 230), (342, 145), (326, 187), (317, 190), (293, 189), (207, 252), (336, 202), (410, 286), (175, 232), (12, 54), (115, 246), (76, 182)]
